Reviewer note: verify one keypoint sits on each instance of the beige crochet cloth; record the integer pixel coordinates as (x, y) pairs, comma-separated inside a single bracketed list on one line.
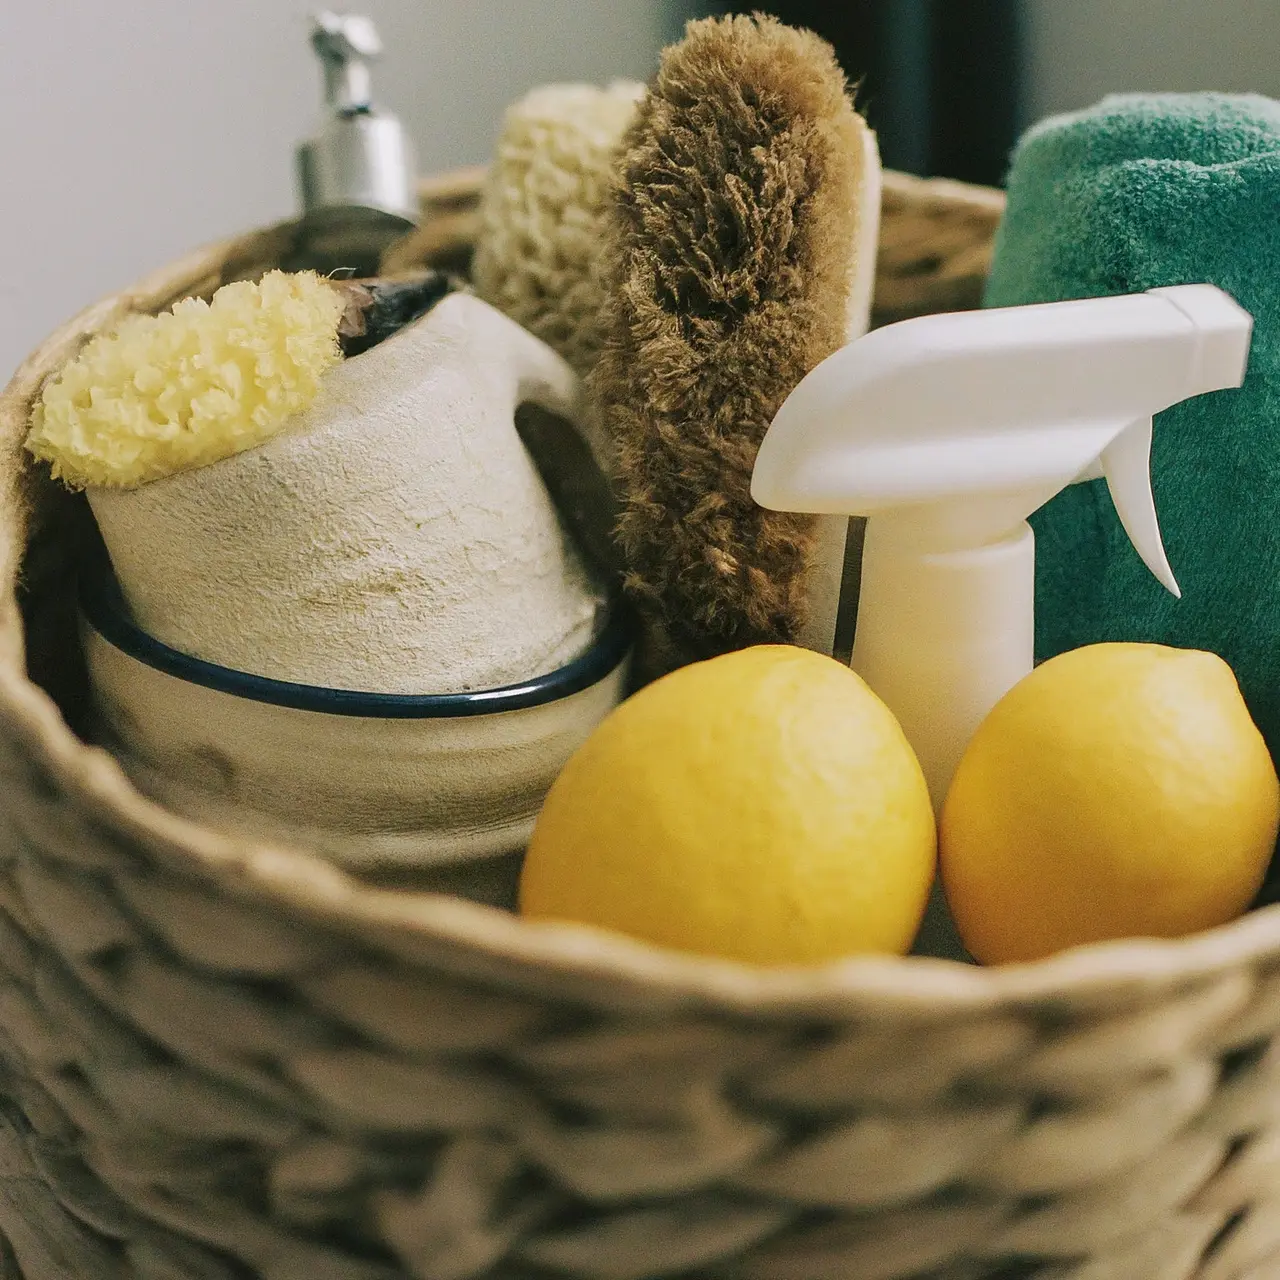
[(542, 212)]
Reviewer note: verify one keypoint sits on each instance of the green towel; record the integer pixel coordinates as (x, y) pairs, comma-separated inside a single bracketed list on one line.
[(1136, 193)]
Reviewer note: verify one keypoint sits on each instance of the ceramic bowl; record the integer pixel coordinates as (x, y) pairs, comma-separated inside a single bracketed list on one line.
[(444, 787)]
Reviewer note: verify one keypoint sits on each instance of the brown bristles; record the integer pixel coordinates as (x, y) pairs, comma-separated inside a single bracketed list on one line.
[(727, 272)]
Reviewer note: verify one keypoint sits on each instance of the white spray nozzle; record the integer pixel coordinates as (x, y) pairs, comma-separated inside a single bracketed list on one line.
[(949, 431), (982, 416)]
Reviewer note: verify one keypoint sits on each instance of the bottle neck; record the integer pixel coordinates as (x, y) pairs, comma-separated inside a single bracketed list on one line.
[(348, 85)]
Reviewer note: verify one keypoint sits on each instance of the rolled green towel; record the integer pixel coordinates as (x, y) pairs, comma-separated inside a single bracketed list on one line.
[(1137, 193)]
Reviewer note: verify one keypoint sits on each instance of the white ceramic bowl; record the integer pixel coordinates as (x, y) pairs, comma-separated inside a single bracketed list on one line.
[(443, 786)]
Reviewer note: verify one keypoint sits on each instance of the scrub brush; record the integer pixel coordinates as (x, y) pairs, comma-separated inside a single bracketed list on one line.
[(732, 264), (542, 211)]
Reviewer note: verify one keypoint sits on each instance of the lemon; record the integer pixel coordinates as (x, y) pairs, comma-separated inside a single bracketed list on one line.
[(1120, 790), (762, 806)]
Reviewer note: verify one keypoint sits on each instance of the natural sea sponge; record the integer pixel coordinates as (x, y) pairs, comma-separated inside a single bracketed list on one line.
[(206, 380)]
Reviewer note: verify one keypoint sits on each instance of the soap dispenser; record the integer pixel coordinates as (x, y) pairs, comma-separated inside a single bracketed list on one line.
[(356, 176), (947, 432)]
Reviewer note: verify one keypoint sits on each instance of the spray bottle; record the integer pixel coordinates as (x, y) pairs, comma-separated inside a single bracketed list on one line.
[(947, 432)]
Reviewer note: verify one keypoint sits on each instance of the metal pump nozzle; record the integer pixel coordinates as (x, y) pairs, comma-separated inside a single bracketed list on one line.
[(356, 177), (346, 44)]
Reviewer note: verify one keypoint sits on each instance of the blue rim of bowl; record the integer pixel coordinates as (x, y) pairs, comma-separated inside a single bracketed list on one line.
[(103, 607)]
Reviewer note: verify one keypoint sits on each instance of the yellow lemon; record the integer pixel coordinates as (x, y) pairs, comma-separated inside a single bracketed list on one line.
[(762, 806), (1120, 790)]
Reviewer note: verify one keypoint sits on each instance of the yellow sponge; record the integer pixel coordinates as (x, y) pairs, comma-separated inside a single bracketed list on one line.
[(192, 386)]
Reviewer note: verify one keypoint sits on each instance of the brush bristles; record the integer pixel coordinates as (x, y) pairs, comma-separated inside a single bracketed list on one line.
[(727, 270)]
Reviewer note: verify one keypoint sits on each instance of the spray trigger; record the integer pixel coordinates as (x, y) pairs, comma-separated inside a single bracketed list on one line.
[(1126, 464), (947, 432)]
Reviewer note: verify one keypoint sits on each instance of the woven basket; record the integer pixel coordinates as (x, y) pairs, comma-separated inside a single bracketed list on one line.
[(221, 1059)]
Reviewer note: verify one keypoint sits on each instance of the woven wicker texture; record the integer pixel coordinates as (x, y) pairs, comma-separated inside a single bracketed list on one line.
[(222, 1060)]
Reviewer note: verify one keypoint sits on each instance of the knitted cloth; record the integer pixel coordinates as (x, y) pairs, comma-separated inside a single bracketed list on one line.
[(1137, 193), (542, 210)]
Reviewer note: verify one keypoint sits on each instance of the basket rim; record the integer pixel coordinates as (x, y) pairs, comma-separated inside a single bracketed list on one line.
[(513, 950), (505, 948)]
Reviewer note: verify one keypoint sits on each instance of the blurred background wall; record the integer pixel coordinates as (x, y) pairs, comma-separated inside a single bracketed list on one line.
[(1077, 50), (949, 84), (134, 131)]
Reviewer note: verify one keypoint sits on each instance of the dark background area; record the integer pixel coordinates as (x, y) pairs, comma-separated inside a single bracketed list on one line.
[(939, 80)]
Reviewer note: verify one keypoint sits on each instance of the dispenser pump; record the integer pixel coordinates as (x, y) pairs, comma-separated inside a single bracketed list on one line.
[(947, 432), (356, 177)]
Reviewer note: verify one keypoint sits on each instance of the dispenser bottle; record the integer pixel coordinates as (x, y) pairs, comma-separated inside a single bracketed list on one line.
[(947, 432)]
